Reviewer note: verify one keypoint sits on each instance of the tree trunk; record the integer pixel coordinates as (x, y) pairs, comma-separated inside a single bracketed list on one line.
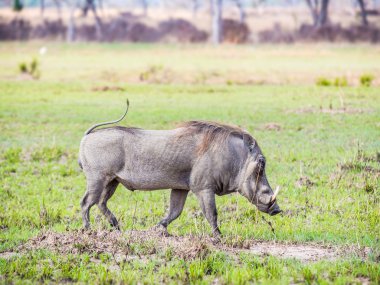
[(195, 7), (363, 12), (58, 6), (144, 4), (323, 14), (98, 22), (319, 11), (70, 33), (90, 6), (239, 4), (217, 29), (42, 8), (313, 6)]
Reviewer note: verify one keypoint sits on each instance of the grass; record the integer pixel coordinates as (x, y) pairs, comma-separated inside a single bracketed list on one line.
[(42, 122)]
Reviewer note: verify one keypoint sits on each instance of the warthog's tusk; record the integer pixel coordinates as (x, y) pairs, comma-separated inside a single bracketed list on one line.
[(275, 193)]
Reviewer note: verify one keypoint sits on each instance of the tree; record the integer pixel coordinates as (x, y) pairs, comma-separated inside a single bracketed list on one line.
[(323, 15), (90, 5), (42, 7), (363, 12), (17, 5), (239, 5), (145, 5), (57, 5), (70, 32), (195, 7), (319, 11), (217, 29)]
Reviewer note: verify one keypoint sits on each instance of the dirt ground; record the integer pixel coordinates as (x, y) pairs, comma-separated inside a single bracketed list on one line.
[(189, 247)]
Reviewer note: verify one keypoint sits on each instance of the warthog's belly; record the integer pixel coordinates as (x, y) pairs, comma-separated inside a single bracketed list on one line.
[(154, 181)]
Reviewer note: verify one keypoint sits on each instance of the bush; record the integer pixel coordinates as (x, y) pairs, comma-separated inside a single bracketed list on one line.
[(341, 82), (48, 154), (322, 81), (32, 69), (366, 80), (338, 82)]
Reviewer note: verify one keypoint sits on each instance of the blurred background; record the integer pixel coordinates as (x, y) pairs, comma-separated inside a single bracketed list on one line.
[(231, 21)]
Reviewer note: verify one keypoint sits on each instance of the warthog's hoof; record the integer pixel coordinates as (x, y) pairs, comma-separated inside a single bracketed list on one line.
[(161, 230), (215, 240)]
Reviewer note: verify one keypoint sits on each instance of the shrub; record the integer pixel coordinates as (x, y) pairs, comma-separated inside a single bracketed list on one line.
[(31, 69), (366, 80), (322, 81), (341, 82), (48, 154)]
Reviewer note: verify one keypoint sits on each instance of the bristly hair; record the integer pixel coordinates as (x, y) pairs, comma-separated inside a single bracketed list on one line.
[(214, 134), (131, 130)]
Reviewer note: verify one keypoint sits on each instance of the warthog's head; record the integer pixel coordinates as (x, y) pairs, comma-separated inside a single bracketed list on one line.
[(254, 184)]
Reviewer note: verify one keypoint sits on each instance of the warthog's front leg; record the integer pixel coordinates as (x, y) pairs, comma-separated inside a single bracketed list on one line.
[(207, 201), (177, 201)]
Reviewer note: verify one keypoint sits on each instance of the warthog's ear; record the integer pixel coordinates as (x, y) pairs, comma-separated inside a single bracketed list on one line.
[(249, 141)]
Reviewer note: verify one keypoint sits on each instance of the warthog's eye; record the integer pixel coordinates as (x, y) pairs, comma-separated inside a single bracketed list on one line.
[(260, 164)]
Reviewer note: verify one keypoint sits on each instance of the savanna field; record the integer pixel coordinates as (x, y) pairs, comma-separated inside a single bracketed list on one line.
[(314, 110)]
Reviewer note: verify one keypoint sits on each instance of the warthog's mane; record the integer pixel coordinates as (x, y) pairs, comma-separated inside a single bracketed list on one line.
[(131, 130), (214, 134)]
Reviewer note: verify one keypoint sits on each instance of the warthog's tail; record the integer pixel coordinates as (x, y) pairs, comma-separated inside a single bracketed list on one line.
[(80, 163), (108, 123)]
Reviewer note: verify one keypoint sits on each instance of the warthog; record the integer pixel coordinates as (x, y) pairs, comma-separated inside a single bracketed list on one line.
[(203, 157)]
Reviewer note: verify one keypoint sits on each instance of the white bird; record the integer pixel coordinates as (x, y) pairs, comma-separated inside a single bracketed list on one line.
[(43, 50)]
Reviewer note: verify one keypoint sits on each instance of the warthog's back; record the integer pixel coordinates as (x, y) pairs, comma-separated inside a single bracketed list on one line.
[(140, 159)]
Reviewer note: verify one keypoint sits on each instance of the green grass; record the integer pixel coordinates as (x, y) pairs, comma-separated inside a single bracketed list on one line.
[(42, 122)]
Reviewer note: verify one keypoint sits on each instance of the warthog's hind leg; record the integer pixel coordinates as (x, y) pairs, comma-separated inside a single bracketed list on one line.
[(207, 202), (102, 204), (91, 197), (177, 201)]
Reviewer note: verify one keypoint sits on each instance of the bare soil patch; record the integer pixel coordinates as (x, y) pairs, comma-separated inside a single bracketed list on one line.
[(140, 244), (8, 254), (298, 251), (304, 181), (272, 127)]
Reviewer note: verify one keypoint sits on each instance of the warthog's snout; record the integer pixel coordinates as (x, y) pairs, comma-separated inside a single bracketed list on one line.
[(274, 210)]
